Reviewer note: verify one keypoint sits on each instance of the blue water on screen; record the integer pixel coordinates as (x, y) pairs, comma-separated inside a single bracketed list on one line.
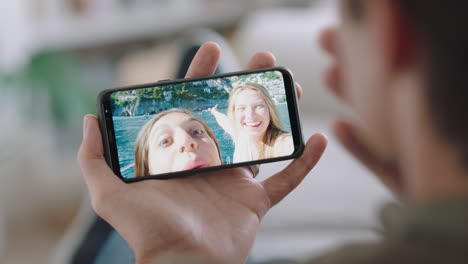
[(127, 128)]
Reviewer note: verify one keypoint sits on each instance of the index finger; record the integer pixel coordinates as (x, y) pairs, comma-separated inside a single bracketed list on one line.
[(205, 61), (266, 59), (262, 59)]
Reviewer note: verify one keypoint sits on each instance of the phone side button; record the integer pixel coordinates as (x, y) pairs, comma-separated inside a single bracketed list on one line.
[(164, 80)]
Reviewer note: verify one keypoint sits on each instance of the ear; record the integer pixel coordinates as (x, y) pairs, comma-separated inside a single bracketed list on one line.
[(396, 34)]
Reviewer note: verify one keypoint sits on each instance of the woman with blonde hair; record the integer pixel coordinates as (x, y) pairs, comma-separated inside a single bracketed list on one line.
[(175, 140), (254, 123)]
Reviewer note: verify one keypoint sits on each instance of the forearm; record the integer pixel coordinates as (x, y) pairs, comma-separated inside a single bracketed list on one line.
[(222, 121)]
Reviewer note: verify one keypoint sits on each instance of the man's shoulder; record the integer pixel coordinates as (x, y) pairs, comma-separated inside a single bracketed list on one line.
[(391, 252)]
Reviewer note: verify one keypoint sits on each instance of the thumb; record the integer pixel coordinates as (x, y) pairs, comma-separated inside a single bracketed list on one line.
[(98, 176), (283, 182)]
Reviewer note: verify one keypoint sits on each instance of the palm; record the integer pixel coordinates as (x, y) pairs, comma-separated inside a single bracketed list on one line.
[(213, 215), (219, 208)]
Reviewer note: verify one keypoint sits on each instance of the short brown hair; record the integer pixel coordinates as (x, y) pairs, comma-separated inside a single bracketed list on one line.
[(443, 29)]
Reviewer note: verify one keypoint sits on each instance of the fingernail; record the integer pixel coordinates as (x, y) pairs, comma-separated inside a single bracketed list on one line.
[(85, 126)]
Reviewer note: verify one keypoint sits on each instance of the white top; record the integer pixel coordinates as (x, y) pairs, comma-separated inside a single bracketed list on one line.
[(245, 147)]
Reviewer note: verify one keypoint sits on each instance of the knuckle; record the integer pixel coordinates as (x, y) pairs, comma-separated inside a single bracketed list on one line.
[(96, 204), (307, 165), (99, 202), (289, 180)]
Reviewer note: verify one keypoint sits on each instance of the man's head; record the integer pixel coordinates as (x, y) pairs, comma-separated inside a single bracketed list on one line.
[(387, 47)]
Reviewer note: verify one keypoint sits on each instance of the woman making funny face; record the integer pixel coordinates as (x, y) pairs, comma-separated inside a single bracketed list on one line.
[(175, 140)]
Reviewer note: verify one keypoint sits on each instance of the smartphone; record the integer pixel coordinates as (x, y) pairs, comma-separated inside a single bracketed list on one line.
[(175, 128)]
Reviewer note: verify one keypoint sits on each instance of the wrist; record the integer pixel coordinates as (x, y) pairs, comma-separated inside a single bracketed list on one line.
[(190, 255), (175, 258)]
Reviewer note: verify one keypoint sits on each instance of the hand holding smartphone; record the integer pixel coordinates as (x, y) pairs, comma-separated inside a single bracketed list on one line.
[(174, 128)]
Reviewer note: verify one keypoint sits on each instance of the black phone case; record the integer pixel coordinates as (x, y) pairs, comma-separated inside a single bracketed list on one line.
[(105, 124)]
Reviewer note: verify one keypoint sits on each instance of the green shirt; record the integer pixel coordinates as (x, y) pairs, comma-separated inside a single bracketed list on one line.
[(426, 234)]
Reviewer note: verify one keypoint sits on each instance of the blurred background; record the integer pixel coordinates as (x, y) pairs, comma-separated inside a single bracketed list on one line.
[(57, 55)]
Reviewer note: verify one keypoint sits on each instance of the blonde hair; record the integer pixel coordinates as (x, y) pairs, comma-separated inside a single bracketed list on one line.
[(142, 141), (275, 128)]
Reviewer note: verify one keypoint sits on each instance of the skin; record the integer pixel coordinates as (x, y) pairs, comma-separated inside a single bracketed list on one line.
[(377, 71), (251, 113), (180, 143), (211, 216), (252, 118)]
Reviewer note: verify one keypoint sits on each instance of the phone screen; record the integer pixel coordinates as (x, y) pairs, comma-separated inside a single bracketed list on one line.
[(173, 127)]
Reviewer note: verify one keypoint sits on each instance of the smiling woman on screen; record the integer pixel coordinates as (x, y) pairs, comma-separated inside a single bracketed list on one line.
[(254, 123)]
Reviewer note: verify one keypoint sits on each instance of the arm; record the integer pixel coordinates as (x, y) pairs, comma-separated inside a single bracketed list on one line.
[(222, 119), (185, 221)]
